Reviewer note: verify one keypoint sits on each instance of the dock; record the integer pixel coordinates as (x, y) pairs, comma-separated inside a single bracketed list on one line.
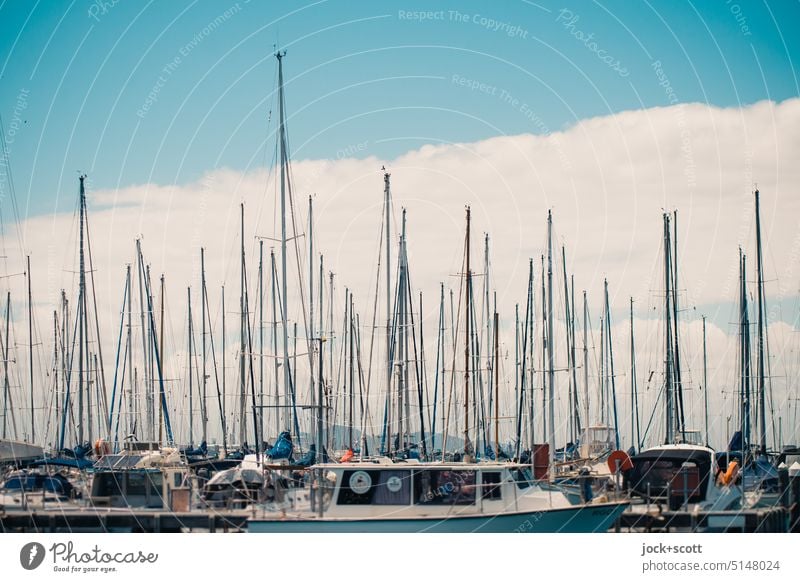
[(102, 520), (766, 520)]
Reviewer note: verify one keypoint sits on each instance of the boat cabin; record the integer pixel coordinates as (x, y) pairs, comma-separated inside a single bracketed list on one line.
[(678, 474), (143, 477)]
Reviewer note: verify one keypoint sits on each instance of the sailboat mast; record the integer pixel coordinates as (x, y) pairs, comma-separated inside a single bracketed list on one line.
[(677, 354), (489, 318), (273, 277), (284, 277), (388, 226), (496, 388), (30, 348), (635, 439), (320, 363), (81, 307), (668, 390), (762, 414), (6, 387), (705, 381), (310, 292), (129, 348), (160, 357), (243, 341), (576, 404), (351, 370), (260, 414), (204, 396), (551, 378), (570, 397), (191, 388), (224, 395), (611, 368), (586, 360), (745, 353), (467, 445)]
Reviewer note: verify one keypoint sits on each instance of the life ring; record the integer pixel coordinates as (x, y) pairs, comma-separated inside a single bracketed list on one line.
[(101, 447), (394, 484), (360, 482), (621, 457)]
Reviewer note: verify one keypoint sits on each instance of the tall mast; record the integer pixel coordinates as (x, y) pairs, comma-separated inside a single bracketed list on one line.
[(260, 414), (274, 272), (496, 389), (150, 375), (467, 444), (203, 398), (284, 157), (635, 437), (762, 414), (576, 405), (243, 341), (668, 391), (528, 357), (6, 387), (436, 374), (677, 354), (744, 339), (329, 435), (224, 421), (55, 367), (145, 343), (586, 359), (30, 347), (131, 381), (160, 357), (320, 385), (81, 309), (489, 317), (191, 407), (544, 353), (611, 368), (551, 378), (387, 196), (570, 397), (351, 400), (407, 308), (518, 400), (310, 291), (705, 380)]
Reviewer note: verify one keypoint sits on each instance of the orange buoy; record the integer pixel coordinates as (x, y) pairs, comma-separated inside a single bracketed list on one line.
[(101, 447), (621, 457)]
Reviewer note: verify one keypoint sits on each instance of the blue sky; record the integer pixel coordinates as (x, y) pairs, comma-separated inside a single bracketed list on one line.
[(363, 78)]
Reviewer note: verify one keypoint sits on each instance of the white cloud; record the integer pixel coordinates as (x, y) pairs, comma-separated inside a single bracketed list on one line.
[(607, 180)]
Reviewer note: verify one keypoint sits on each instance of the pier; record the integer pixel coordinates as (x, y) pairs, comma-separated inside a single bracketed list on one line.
[(92, 520)]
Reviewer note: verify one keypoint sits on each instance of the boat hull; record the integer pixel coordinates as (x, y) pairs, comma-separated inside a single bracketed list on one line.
[(583, 519)]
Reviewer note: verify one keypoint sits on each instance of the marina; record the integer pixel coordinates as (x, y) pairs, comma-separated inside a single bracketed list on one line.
[(439, 371)]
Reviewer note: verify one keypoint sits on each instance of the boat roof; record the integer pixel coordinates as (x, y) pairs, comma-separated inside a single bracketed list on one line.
[(384, 463)]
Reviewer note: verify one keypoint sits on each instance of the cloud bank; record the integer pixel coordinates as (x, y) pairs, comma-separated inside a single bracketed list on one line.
[(606, 179)]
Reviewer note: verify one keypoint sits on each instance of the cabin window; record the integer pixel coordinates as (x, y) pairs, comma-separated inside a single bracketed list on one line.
[(155, 482), (393, 488), (375, 488), (107, 484), (490, 484), (522, 477), (53, 485), (15, 483), (444, 487), (136, 485)]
